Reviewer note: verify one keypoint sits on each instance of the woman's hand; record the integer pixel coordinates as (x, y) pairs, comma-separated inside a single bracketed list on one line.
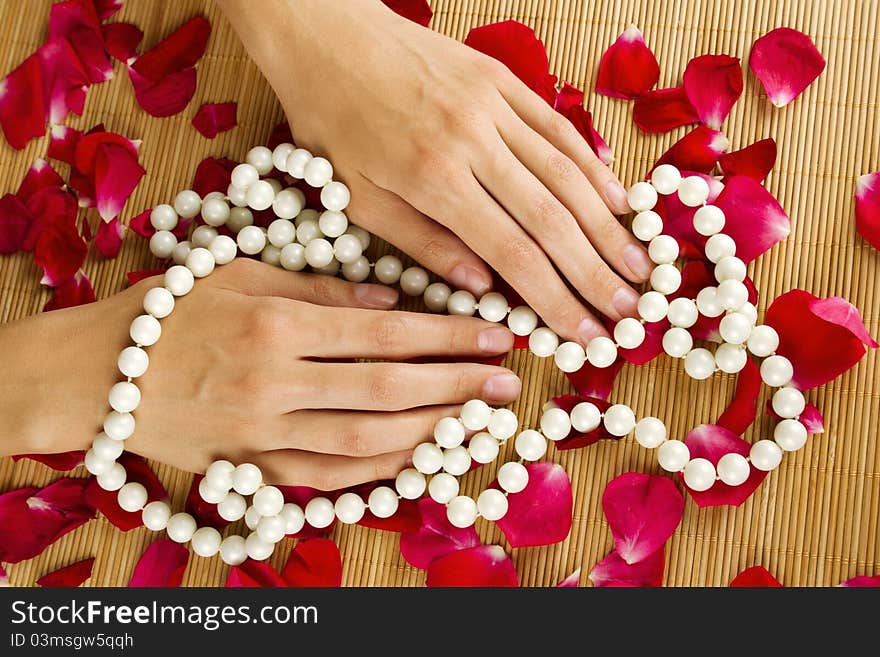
[(449, 156), (253, 365)]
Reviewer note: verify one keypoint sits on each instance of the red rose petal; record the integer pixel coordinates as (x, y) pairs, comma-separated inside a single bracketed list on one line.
[(69, 576), (663, 110), (137, 276), (570, 582), (740, 414), (213, 175), (117, 173), (140, 225), (178, 51), (484, 565), (786, 62), (650, 348), (166, 97), (58, 247), (108, 239), (569, 103), (15, 222), (418, 11), (121, 40), (205, 513), (32, 519), (591, 381), (136, 469), (698, 150), (713, 83), (75, 291), (162, 564), (862, 581), (755, 577), (77, 22), (576, 439), (541, 513), (628, 68), (22, 105), (678, 219), (517, 46), (214, 118), (64, 80), (62, 143), (280, 135), (254, 574), (301, 495), (839, 311), (868, 208), (435, 537), (642, 511), (753, 218), (62, 462), (106, 8), (86, 153), (711, 442), (407, 519), (613, 571), (39, 176), (314, 562), (754, 161)]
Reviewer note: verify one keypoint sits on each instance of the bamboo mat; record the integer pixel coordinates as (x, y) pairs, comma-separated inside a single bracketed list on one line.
[(814, 521)]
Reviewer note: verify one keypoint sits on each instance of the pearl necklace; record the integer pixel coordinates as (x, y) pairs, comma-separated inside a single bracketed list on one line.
[(296, 239)]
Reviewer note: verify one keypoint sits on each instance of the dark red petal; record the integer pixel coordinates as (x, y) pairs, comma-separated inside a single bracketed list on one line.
[(15, 222), (713, 84), (106, 8), (754, 161), (280, 135), (121, 40), (75, 291), (213, 175), (59, 249), (417, 11), (786, 62), (755, 577), (698, 150), (72, 575), (32, 519), (663, 110), (108, 239), (214, 118), (678, 219), (301, 495), (753, 218), (205, 513), (117, 173), (575, 439), (569, 103), (178, 51), (166, 97), (517, 46), (570, 582), (86, 153), (62, 462), (136, 469), (740, 414), (613, 571), (134, 277), (22, 105), (484, 565), (628, 68), (254, 574), (711, 442), (39, 176), (435, 537), (314, 562), (62, 143), (77, 22), (591, 381), (407, 519), (868, 208), (140, 225), (162, 564), (650, 348), (862, 581), (64, 80), (541, 513)]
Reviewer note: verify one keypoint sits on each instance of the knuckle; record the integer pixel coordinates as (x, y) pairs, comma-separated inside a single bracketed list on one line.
[(385, 386), (352, 441), (520, 253), (558, 126), (267, 323), (548, 214), (388, 334), (561, 168), (431, 250)]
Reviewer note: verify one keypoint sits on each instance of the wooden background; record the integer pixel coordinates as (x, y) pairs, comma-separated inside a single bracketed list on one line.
[(813, 522)]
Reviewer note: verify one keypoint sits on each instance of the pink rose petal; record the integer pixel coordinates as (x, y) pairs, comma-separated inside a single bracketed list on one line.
[(628, 68), (576, 439), (254, 574), (162, 564), (214, 118), (570, 582), (64, 80), (436, 537), (418, 11), (754, 161), (541, 513), (117, 173), (62, 462), (178, 51), (862, 581), (786, 62), (121, 40), (108, 239), (77, 22), (136, 469), (755, 577), (713, 83), (74, 291), (868, 208), (740, 414), (754, 219), (698, 150), (663, 110), (168, 96), (22, 105), (314, 562), (569, 102), (810, 417), (711, 442), (484, 565), (642, 511), (613, 571), (15, 223), (205, 513), (68, 576)]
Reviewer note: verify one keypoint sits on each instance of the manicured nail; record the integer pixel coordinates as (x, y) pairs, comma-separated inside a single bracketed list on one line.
[(377, 296), (471, 279), (616, 195), (589, 329), (502, 387), (495, 340), (636, 258), (625, 301)]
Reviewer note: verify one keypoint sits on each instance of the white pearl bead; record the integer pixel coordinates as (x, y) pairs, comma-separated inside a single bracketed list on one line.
[(555, 424), (619, 420), (461, 512), (693, 191), (239, 218), (543, 342), (133, 361), (731, 294), (763, 341), (602, 352), (333, 223), (653, 306), (492, 504), (200, 262), (203, 236), (155, 516), (522, 320), (427, 458), (449, 432), (236, 196), (475, 414), (180, 527), (106, 448), (699, 364), (318, 172), (730, 268), (665, 279), (748, 309), (162, 244), (294, 518), (413, 280), (483, 448), (735, 328), (776, 371), (765, 455), (145, 330), (790, 435), (388, 269), (436, 297), (224, 249), (187, 204), (319, 253), (246, 479), (215, 212), (666, 178), (297, 161), (286, 205), (361, 234), (410, 483), (456, 461), (383, 502), (257, 548), (178, 255), (206, 541), (232, 507), (271, 528), (163, 217), (335, 196), (708, 220), (570, 357), (280, 155), (647, 225), (260, 158), (113, 479), (788, 402), (260, 195), (118, 426), (503, 424), (252, 518), (179, 280), (211, 494), (531, 445), (699, 474), (642, 196), (219, 473), (683, 312), (268, 501), (97, 464), (320, 512), (350, 508), (629, 333), (513, 477), (663, 250), (356, 271), (650, 432), (673, 455), (233, 550), (586, 417), (493, 307), (719, 246), (244, 175), (707, 302), (677, 342), (124, 397), (730, 358), (461, 303), (158, 302), (443, 487), (733, 469), (251, 240), (293, 257)]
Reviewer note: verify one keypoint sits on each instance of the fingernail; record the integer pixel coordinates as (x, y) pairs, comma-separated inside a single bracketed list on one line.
[(471, 279), (495, 340), (616, 195), (589, 329), (502, 387), (377, 296), (636, 258), (625, 301)]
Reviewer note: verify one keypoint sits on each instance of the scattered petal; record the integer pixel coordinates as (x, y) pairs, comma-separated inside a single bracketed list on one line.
[(22, 105), (69, 576), (810, 417), (628, 68), (435, 537), (74, 291), (868, 208), (570, 582), (140, 225), (613, 571), (786, 62), (62, 143), (121, 40), (649, 349), (64, 80), (58, 247), (280, 135), (663, 110), (106, 8), (418, 11), (117, 173), (162, 564), (62, 462), (541, 513), (754, 219), (711, 442), (254, 574), (205, 513), (678, 219), (77, 22), (168, 96), (484, 565), (407, 519), (862, 581), (86, 154), (755, 577), (754, 161), (15, 223), (214, 118), (314, 562), (136, 469), (569, 102), (178, 51), (713, 84), (740, 414), (698, 150), (591, 381), (213, 175), (108, 239)]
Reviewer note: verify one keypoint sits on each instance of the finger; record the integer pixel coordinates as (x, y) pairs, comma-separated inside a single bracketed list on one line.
[(400, 386), (293, 467), (567, 182), (427, 242)]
